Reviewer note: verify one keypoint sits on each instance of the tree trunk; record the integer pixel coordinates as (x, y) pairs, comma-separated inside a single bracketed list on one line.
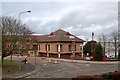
[(11, 58), (115, 49), (2, 59), (119, 50)]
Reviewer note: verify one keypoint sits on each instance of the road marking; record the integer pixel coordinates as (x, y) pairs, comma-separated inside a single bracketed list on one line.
[(32, 75)]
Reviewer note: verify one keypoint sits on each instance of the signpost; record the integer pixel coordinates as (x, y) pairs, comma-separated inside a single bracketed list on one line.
[(35, 54), (92, 47)]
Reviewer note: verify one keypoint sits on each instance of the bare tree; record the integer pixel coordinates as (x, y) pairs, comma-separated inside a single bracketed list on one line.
[(119, 44), (11, 30), (114, 36), (102, 39)]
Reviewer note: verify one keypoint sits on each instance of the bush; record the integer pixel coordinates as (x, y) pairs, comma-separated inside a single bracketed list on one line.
[(116, 76), (85, 77), (98, 53), (107, 75)]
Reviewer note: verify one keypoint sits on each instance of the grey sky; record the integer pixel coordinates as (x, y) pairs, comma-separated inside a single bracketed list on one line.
[(78, 18)]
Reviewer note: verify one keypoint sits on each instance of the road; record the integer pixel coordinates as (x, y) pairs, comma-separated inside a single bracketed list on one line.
[(69, 69)]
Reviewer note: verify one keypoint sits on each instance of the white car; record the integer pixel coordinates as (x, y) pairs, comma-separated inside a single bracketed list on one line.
[(87, 58)]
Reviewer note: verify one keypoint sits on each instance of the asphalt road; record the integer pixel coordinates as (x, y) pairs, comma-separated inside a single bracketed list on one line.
[(70, 70)]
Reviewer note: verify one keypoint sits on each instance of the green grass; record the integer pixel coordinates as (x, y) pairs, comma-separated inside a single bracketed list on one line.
[(10, 67), (8, 63)]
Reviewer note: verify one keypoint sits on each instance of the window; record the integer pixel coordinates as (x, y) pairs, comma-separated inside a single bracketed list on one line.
[(75, 47), (35, 47), (69, 48), (31, 52), (38, 47), (47, 47), (28, 46), (59, 49), (81, 47)]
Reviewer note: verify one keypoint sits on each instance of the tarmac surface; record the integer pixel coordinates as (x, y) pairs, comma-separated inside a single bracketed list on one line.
[(70, 70), (65, 68)]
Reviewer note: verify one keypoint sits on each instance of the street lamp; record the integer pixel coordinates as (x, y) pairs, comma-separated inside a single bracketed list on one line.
[(92, 47), (23, 12), (19, 41)]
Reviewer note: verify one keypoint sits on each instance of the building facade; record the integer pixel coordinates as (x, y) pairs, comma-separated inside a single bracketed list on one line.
[(59, 44)]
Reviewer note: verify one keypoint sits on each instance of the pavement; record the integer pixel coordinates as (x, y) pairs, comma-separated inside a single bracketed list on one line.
[(29, 70), (84, 61), (27, 74)]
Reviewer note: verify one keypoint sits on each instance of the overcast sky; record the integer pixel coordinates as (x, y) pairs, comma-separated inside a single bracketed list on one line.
[(78, 18)]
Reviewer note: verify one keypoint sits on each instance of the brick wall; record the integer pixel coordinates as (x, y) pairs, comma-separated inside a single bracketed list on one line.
[(53, 48)]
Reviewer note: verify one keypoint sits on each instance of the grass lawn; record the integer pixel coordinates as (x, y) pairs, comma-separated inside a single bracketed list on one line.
[(10, 67)]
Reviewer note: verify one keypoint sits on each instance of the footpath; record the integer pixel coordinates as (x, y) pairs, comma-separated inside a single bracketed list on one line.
[(84, 61), (29, 69)]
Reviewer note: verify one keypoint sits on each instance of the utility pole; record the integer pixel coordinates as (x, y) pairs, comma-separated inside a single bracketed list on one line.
[(35, 54)]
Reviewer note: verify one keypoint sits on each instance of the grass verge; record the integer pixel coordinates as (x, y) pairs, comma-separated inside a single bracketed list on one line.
[(10, 67)]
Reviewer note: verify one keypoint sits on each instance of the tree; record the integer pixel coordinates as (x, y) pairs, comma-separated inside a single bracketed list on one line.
[(98, 51), (103, 39), (114, 36), (119, 46), (88, 47), (11, 30), (119, 53)]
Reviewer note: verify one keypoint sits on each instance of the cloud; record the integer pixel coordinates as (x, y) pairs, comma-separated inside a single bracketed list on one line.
[(80, 19)]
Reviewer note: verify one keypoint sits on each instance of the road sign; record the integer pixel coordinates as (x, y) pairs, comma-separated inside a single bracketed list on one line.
[(19, 57), (87, 54), (35, 53), (28, 52)]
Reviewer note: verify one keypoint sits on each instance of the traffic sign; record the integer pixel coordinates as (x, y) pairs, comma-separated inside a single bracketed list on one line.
[(35, 53), (87, 54), (28, 52)]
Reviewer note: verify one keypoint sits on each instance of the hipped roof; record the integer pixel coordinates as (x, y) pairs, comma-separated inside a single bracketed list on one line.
[(59, 35)]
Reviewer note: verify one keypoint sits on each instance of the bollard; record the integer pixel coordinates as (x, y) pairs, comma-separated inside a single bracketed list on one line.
[(49, 60), (56, 61)]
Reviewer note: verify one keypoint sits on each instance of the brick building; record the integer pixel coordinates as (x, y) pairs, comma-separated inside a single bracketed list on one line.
[(59, 44)]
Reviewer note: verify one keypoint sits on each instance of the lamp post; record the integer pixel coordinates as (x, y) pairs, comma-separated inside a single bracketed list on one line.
[(92, 47), (19, 42)]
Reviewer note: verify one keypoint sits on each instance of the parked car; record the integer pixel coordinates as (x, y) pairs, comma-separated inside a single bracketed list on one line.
[(88, 58)]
